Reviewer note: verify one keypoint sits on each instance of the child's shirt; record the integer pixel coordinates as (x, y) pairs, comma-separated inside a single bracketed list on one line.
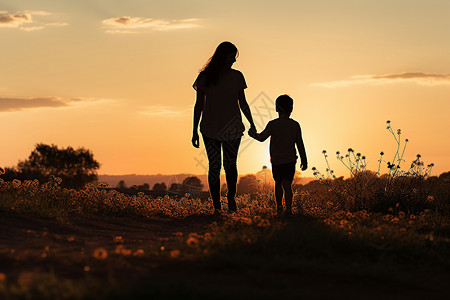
[(284, 133)]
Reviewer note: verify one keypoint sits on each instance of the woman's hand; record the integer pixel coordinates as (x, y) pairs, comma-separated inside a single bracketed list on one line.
[(304, 166), (195, 139)]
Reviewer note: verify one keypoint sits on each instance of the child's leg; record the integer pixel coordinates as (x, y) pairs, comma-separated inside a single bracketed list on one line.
[(279, 195), (287, 187)]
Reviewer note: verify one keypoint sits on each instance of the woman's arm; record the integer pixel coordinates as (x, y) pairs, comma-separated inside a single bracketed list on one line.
[(198, 109), (246, 109)]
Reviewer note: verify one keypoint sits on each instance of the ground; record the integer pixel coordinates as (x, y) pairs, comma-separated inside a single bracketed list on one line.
[(162, 257)]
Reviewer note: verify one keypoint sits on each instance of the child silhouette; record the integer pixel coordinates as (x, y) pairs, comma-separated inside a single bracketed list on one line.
[(285, 133)]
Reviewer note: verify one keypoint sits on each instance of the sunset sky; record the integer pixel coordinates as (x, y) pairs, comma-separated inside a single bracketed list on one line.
[(116, 77)]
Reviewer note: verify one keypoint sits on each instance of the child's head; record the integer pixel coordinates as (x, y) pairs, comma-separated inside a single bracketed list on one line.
[(284, 104)]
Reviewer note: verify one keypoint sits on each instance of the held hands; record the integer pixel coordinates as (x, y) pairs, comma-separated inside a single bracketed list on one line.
[(195, 140), (304, 166), (252, 131)]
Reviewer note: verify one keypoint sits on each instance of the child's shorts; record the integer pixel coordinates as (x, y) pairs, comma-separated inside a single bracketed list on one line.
[(284, 171)]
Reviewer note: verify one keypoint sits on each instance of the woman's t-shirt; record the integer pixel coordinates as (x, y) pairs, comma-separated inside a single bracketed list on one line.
[(221, 118)]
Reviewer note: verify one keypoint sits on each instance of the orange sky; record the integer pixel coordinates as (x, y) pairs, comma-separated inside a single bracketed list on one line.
[(115, 77)]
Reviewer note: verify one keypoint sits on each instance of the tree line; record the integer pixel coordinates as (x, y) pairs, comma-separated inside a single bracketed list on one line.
[(77, 167)]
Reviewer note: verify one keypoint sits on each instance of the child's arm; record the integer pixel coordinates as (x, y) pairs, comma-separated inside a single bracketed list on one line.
[(301, 149), (260, 136)]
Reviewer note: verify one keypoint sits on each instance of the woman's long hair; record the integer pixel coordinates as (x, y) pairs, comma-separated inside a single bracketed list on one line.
[(216, 63)]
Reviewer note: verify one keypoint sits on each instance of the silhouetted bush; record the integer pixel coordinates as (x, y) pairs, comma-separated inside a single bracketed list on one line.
[(76, 168)]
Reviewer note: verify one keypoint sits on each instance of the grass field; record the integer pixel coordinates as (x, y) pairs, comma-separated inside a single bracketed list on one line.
[(93, 244)]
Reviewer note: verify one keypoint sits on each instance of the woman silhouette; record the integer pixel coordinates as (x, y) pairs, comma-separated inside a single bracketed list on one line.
[(220, 98)]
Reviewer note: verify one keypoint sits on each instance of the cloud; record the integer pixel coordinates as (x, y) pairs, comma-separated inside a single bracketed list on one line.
[(428, 79), (38, 12), (128, 24), (57, 24), (164, 111), (14, 20), (18, 104), (25, 20), (33, 28)]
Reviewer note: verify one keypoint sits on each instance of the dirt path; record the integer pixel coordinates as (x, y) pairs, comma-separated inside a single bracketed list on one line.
[(31, 244), (133, 255)]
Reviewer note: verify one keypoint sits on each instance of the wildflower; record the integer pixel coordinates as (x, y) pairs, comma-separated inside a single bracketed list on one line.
[(324, 151), (100, 253), (26, 278), (419, 156), (207, 236), (175, 253), (313, 168), (381, 153), (120, 249), (363, 157), (102, 185), (406, 140), (399, 131), (192, 241), (16, 183), (350, 150), (388, 122), (2, 171), (337, 153)]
